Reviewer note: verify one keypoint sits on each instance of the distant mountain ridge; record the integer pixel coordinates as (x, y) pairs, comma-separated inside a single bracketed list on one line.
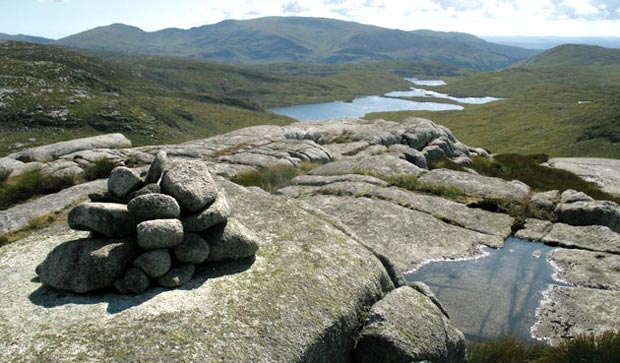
[(26, 38), (301, 40)]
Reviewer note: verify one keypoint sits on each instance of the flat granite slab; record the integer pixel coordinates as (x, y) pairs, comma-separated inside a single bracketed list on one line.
[(604, 172), (408, 237), (569, 311)]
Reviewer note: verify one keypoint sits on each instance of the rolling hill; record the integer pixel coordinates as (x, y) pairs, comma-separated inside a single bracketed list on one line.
[(563, 102), (300, 40), (574, 55)]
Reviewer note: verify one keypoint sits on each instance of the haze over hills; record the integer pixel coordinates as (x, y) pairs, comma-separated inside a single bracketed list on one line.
[(549, 42), (26, 38), (301, 40)]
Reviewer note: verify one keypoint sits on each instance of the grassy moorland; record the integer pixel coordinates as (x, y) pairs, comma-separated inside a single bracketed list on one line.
[(50, 94), (542, 112), (589, 348)]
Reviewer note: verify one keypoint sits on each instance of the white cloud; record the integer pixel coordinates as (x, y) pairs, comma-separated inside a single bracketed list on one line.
[(580, 7), (490, 17)]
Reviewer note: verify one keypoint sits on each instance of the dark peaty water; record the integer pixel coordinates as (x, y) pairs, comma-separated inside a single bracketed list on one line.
[(492, 296)]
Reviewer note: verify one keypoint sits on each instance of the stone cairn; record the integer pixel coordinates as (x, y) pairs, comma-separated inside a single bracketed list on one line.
[(150, 231)]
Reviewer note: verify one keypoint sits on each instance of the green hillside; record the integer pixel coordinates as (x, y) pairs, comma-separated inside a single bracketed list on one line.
[(574, 55), (300, 40), (564, 102), (49, 94)]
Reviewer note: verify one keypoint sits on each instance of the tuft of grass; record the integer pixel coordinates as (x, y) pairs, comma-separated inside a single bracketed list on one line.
[(527, 169), (590, 348), (445, 164), (343, 138), (4, 176), (412, 183), (503, 350), (273, 178), (40, 222), (99, 169), (30, 184)]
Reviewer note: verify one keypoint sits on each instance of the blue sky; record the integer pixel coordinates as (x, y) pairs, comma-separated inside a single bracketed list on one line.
[(59, 18)]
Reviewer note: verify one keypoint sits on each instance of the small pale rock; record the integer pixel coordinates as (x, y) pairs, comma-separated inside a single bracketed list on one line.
[(194, 249), (177, 276), (123, 180), (154, 263), (191, 184), (154, 206), (160, 233), (108, 219), (216, 213), (157, 168)]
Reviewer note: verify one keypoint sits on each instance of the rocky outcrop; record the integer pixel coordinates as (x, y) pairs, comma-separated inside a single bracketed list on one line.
[(330, 247), (584, 213), (406, 326), (57, 150)]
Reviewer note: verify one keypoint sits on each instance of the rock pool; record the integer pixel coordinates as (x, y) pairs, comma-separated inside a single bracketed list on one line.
[(495, 295)]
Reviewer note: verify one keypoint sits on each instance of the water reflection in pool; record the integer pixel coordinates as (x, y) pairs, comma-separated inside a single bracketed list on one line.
[(426, 82), (419, 92), (493, 296), (358, 108)]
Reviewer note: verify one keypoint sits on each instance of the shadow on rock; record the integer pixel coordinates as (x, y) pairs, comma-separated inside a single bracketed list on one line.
[(50, 298)]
